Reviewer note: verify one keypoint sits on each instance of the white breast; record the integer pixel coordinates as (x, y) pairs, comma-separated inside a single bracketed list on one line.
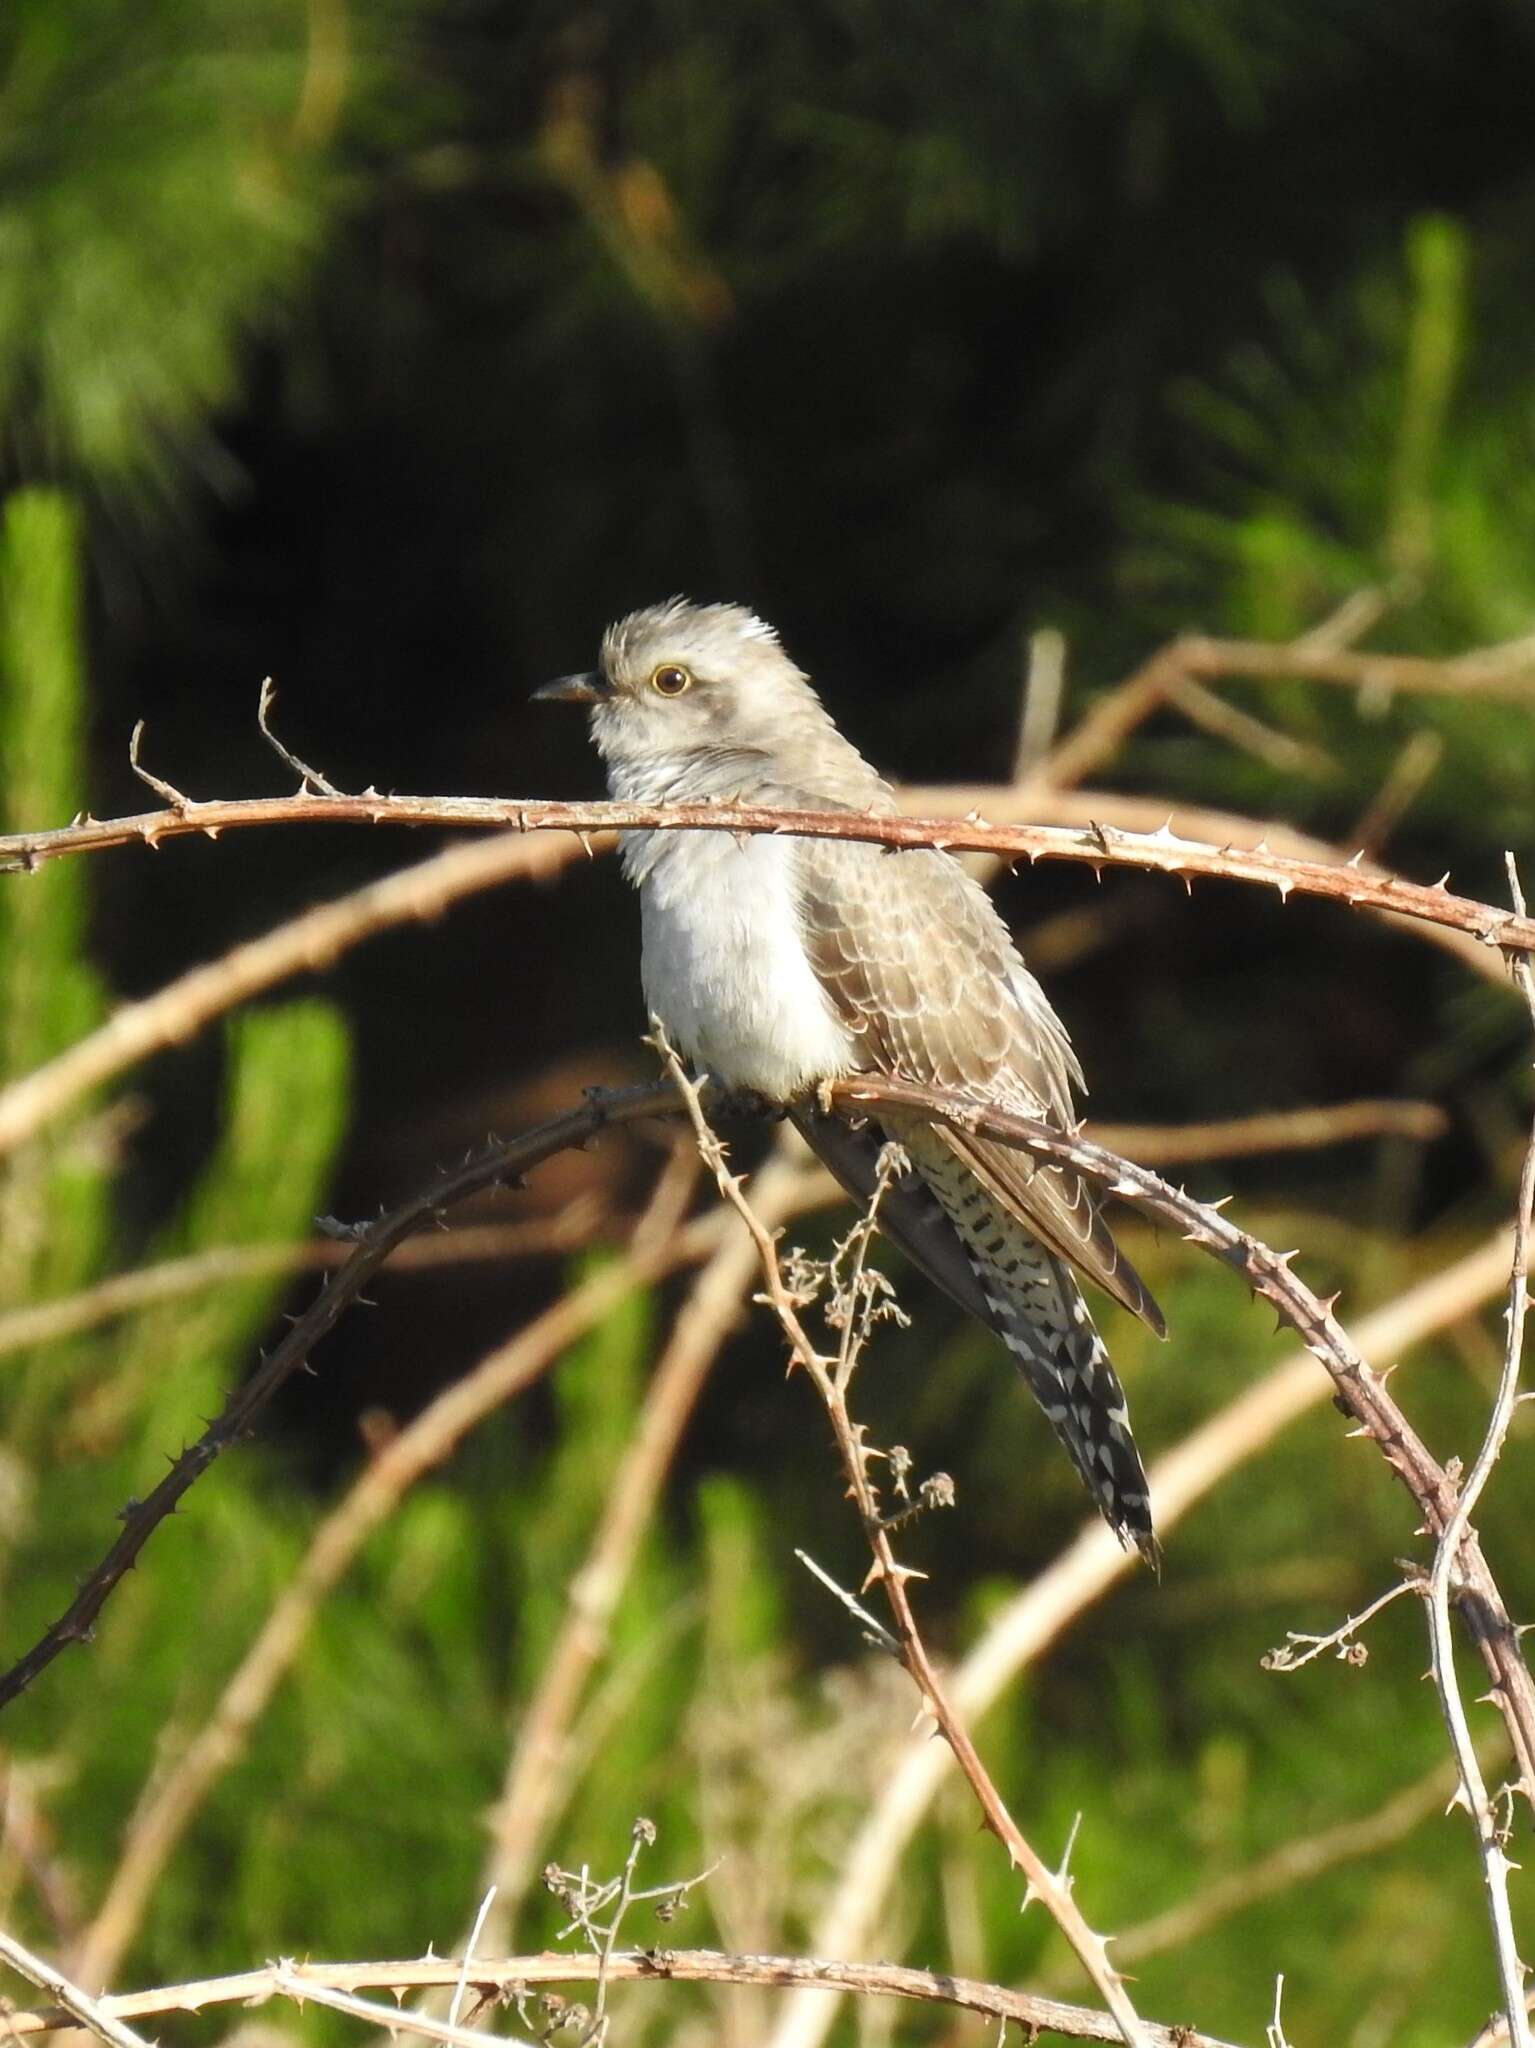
[(723, 965)]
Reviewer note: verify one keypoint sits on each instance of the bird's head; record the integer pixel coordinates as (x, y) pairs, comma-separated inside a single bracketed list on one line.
[(677, 682)]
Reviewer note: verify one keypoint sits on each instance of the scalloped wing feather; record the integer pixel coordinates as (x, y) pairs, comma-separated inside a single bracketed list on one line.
[(921, 969)]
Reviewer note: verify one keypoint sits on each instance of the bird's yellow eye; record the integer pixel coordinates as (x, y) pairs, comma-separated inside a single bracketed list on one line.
[(670, 680)]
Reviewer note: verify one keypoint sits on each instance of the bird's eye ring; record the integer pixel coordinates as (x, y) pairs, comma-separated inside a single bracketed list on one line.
[(669, 680)]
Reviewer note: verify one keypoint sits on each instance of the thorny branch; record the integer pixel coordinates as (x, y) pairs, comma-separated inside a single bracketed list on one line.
[(504, 1979), (1475, 1595), (1039, 1613), (830, 1377), (1507, 934), (1490, 1836), (185, 1779), (1097, 846), (77, 2005), (1360, 1391), (287, 1982), (373, 1244)]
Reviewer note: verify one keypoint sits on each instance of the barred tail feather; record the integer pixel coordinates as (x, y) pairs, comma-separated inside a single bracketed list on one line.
[(1035, 1306), (1066, 1364)]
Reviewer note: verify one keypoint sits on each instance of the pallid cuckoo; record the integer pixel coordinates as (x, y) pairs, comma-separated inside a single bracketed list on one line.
[(776, 963)]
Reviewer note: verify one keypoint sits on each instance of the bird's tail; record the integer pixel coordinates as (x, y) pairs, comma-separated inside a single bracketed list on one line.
[(1066, 1363), (1035, 1306), (979, 1253)]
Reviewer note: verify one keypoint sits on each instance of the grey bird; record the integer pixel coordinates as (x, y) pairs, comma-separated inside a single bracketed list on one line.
[(777, 963)]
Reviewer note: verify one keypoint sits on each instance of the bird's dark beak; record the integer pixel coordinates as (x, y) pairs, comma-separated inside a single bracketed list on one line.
[(585, 688)]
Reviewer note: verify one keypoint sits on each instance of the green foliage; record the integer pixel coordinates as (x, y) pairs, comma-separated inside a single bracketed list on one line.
[(168, 174), (945, 333), (89, 1418)]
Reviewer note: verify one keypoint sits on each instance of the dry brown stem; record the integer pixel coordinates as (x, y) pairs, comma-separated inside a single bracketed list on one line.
[(30, 1853), (1083, 808), (318, 937), (1025, 1628), (1490, 1836), (1095, 846), (1281, 751), (1495, 2033), (76, 2006), (650, 1965), (44, 1322), (181, 1788), (1360, 1391), (173, 1014), (830, 1378), (1281, 1130), (1507, 670), (1275, 1130), (536, 1780)]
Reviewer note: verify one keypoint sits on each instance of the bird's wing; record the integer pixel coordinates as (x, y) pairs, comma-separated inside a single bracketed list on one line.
[(920, 968)]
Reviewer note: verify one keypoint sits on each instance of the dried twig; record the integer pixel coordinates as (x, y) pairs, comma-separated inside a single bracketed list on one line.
[(461, 1987), (301, 1986), (585, 1898), (875, 1633), (77, 2004), (309, 778), (29, 1849), (318, 937), (1495, 2033), (651, 1965), (1456, 1532), (1507, 670), (426, 1440), (830, 1378), (1096, 846), (1085, 807), (1043, 683), (1274, 1130), (1300, 1648), (535, 1781), (44, 1322), (315, 940), (1361, 1392), (1021, 1632), (1202, 706)]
